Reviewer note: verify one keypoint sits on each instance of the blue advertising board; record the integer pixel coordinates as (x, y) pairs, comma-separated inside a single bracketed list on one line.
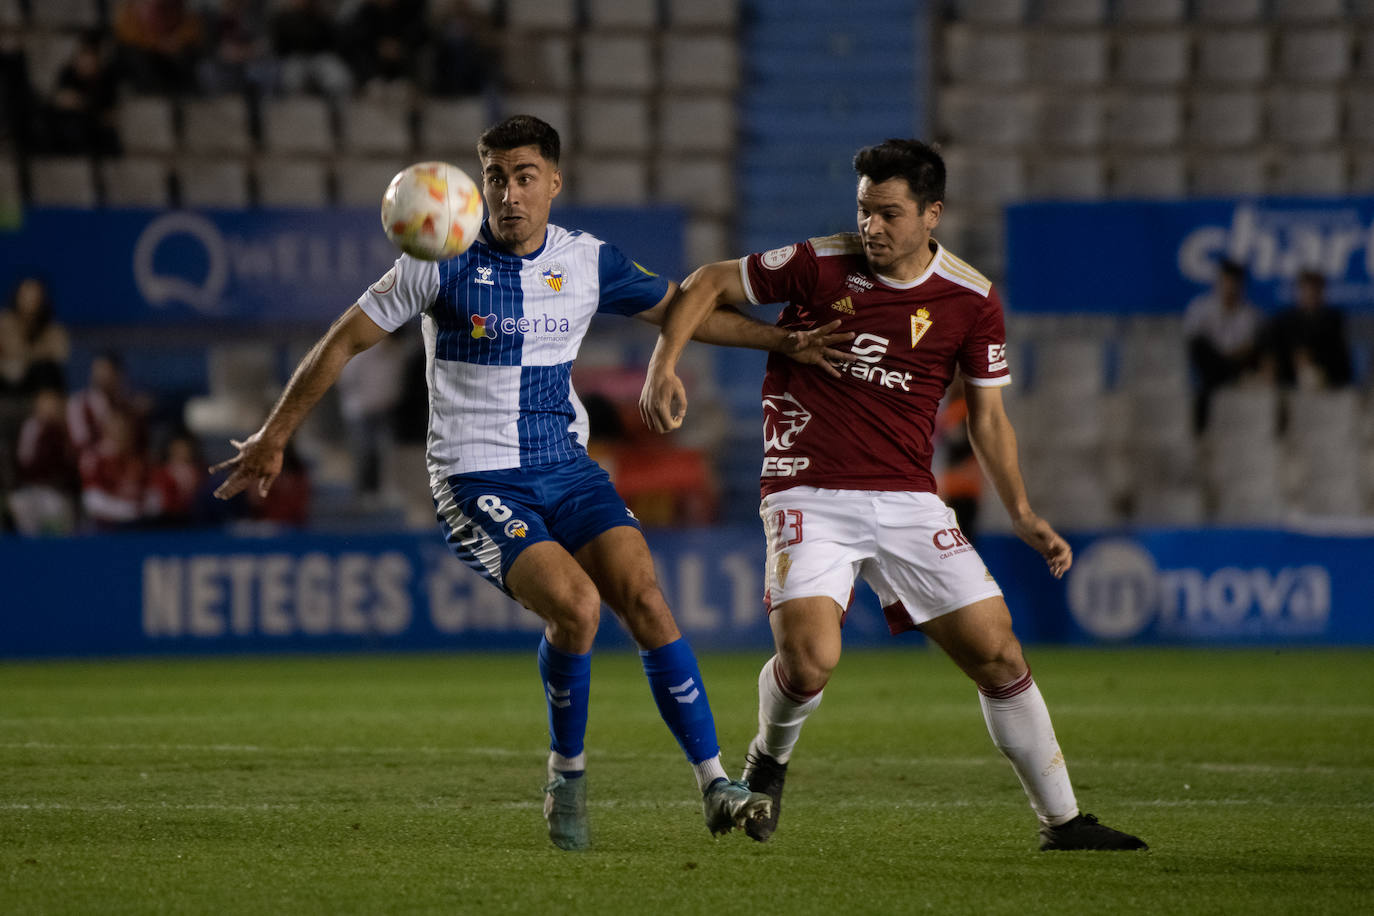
[(260, 266), (1155, 256), (148, 594)]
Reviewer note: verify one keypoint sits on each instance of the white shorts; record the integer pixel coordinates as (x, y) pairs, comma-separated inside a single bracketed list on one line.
[(906, 546)]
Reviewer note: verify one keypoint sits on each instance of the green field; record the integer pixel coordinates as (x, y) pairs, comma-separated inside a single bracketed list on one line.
[(399, 784)]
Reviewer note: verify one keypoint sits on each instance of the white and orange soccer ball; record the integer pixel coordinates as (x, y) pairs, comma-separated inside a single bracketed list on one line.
[(432, 211)]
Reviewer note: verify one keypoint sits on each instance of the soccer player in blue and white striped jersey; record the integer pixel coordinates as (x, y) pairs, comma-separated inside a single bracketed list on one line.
[(519, 500)]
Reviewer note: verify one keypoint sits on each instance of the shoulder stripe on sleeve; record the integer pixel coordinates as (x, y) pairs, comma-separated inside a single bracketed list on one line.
[(951, 268), (839, 243)]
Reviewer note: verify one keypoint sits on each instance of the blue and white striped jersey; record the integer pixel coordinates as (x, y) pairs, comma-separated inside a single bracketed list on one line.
[(501, 332)]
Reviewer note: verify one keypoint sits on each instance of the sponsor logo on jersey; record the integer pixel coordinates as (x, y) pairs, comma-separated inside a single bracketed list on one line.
[(997, 357), (782, 567), (951, 541), (484, 326), (784, 465), (858, 283), (845, 305), (784, 418), (484, 277), (386, 283), (920, 323), (515, 528), (553, 276), (869, 350), (778, 256)]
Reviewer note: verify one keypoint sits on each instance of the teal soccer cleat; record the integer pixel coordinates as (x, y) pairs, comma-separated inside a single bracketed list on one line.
[(565, 808), (730, 804)]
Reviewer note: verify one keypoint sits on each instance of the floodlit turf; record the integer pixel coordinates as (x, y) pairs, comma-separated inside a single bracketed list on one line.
[(411, 784)]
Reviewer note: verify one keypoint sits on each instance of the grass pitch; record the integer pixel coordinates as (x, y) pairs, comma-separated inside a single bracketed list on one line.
[(411, 784)]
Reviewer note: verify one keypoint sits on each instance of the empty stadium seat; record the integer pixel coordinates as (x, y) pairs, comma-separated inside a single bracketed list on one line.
[(1233, 56), (1071, 120), (1359, 116), (132, 181), (1225, 119), (451, 126), (11, 197), (1307, 10), (1076, 58), (1145, 120), (698, 61), (66, 14), (1172, 506), (1149, 175), (554, 108), (1228, 11), (1070, 365), (1146, 360), (1325, 171), (1228, 174), (612, 181), (299, 124), (975, 57), (1150, 12), (546, 61), (62, 181), (987, 119), (1154, 58), (1072, 12), (702, 184), (146, 124), (615, 123), (1304, 117), (292, 183), (703, 14), (47, 52), (991, 178), (541, 15), (696, 123), (11, 14), (360, 182), (617, 63), (622, 14), (992, 12), (214, 183), (707, 240), (1314, 55), (216, 126), (376, 128), (1074, 176), (1362, 173), (1248, 412)]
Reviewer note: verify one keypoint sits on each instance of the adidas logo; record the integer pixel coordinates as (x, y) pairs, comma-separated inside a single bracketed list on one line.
[(679, 692), (845, 305)]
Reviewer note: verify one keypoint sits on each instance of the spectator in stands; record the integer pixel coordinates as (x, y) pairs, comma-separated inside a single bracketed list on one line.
[(107, 394), (18, 101), (1222, 331), (1305, 346), (114, 476), (46, 478), (305, 42), (177, 485), (384, 42), (80, 116), (34, 348), (369, 392), (466, 59), (159, 42), (240, 53)]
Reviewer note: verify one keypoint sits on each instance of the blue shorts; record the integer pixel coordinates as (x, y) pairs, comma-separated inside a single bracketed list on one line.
[(490, 517)]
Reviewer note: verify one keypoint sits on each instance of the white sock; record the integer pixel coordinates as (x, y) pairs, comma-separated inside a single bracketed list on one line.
[(1020, 726), (561, 764), (782, 712), (708, 771)]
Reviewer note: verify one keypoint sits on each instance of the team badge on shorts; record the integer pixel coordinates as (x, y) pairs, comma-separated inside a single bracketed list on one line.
[(781, 568), (515, 528)]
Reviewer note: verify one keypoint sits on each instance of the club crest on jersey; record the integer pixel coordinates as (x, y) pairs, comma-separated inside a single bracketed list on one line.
[(553, 276), (484, 326), (778, 256), (845, 305), (920, 323), (784, 418)]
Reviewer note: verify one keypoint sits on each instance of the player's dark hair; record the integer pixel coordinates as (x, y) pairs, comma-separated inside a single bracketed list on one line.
[(517, 131), (912, 160)]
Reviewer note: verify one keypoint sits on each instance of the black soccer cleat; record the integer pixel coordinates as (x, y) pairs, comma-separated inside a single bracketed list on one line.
[(1084, 832), (764, 774)]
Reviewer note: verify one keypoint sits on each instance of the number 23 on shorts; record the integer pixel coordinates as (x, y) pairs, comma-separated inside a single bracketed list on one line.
[(787, 525)]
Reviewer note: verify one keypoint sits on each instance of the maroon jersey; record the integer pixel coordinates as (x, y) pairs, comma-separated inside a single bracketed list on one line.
[(871, 429)]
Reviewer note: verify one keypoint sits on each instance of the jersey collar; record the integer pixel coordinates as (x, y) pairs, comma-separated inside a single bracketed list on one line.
[(500, 249), (912, 284)]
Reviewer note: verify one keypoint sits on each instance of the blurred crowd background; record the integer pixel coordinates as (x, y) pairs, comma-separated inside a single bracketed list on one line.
[(1222, 410)]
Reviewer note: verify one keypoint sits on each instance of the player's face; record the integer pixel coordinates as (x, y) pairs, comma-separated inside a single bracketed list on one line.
[(895, 233), (519, 186)]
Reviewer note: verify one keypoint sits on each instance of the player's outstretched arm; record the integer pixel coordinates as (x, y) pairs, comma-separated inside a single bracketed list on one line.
[(994, 442), (259, 457)]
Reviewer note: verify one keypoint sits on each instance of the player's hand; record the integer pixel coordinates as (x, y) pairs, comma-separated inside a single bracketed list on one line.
[(816, 347), (1037, 532), (663, 401), (257, 462)]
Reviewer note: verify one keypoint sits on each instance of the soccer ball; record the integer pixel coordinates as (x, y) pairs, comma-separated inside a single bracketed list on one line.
[(432, 211)]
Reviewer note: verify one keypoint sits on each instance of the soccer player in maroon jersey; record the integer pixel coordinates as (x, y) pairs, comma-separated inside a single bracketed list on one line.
[(847, 486)]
